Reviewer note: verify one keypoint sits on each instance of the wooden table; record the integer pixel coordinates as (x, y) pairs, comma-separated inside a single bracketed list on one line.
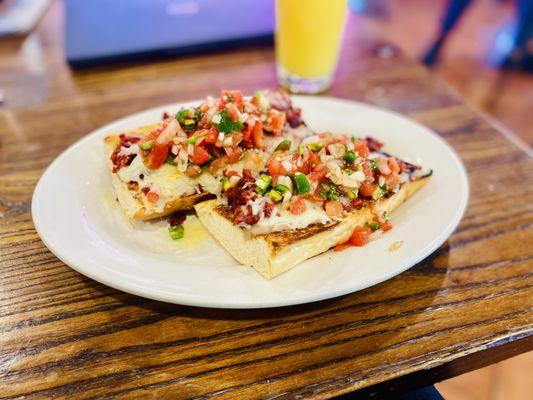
[(65, 336)]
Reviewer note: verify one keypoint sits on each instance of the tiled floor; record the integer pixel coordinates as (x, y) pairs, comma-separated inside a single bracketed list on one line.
[(511, 379), (411, 24)]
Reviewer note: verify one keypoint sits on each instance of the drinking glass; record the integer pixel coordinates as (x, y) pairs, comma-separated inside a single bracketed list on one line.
[(307, 42)]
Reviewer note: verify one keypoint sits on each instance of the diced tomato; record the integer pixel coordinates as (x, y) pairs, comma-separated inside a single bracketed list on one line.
[(392, 180), (235, 97), (233, 112), (386, 226), (393, 165), (367, 189), (234, 155), (402, 166), (360, 236), (313, 158), (276, 122), (216, 165), (319, 173), (247, 132), (152, 197), (383, 166), (231, 173), (193, 170), (361, 148), (333, 208), (369, 174), (156, 156), (341, 247), (200, 155), (304, 169), (275, 168), (257, 134), (316, 198), (211, 136), (298, 206)]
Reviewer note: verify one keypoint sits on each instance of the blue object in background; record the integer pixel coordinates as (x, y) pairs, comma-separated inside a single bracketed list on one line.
[(101, 31)]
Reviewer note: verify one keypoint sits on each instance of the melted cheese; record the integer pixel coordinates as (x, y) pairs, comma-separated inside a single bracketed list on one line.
[(287, 221), (167, 180)]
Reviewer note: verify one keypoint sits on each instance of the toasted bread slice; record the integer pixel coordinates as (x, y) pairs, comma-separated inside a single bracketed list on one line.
[(274, 253), (130, 197)]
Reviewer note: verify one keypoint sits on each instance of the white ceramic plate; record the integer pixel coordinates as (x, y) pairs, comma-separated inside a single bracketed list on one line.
[(77, 217)]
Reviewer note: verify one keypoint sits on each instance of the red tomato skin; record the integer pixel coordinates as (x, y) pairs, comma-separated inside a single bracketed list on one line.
[(360, 236), (193, 170), (216, 165), (247, 132), (361, 148), (235, 155), (386, 226), (367, 189), (298, 206), (152, 197), (316, 198), (233, 112), (200, 155), (236, 95), (393, 165), (154, 158), (319, 173), (211, 136), (341, 247), (275, 168), (257, 134), (333, 208)]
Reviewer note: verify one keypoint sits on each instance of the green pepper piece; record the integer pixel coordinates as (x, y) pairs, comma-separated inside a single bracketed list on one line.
[(302, 184), (374, 225), (350, 156), (283, 145), (385, 215), (147, 146), (275, 195), (315, 147), (379, 192), (190, 140), (282, 188), (263, 183), (226, 184), (176, 232), (170, 160)]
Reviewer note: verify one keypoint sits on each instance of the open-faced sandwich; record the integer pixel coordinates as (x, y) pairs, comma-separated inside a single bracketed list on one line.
[(331, 190), (272, 192), (171, 165)]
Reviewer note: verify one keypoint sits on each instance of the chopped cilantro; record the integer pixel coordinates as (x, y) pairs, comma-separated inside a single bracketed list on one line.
[(329, 192), (226, 125)]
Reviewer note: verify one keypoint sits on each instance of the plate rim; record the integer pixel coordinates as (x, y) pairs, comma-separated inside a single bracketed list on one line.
[(199, 301)]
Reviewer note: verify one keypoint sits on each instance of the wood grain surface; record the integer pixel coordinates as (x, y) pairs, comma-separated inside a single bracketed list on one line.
[(66, 336)]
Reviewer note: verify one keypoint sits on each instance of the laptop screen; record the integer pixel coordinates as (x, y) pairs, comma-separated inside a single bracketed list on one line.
[(99, 31)]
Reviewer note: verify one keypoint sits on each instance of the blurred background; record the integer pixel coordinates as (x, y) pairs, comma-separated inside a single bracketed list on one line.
[(481, 48)]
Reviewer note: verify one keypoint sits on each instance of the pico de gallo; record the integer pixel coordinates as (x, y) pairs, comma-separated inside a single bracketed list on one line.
[(257, 155), (320, 179)]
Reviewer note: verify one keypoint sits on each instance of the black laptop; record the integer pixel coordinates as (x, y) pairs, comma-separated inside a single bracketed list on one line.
[(104, 31)]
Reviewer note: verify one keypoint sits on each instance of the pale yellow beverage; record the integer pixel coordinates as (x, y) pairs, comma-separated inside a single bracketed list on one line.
[(308, 35)]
